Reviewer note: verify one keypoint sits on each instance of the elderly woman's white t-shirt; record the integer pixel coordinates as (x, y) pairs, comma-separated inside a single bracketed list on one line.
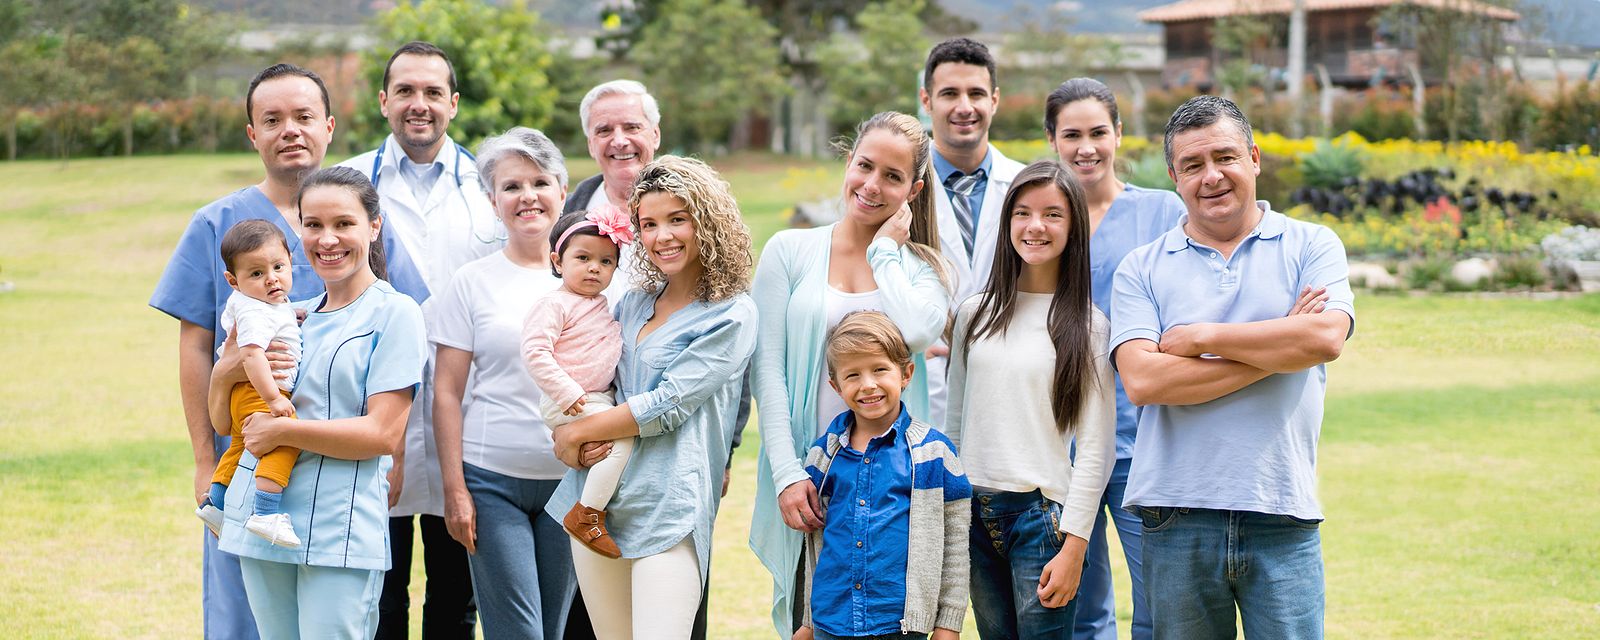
[(482, 311)]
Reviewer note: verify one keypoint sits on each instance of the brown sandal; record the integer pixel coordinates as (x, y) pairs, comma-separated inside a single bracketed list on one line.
[(589, 527)]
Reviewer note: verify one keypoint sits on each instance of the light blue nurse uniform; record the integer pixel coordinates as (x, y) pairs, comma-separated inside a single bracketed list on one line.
[(339, 507), (193, 289)]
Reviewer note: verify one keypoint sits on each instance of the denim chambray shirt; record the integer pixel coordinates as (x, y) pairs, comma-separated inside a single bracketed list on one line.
[(683, 383)]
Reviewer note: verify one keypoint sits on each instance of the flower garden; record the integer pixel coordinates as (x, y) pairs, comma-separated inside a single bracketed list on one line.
[(1423, 214)]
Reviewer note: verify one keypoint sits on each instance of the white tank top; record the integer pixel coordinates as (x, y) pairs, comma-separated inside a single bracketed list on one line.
[(836, 305)]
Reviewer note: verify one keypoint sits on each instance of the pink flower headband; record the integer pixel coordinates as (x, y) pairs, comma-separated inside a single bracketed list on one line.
[(609, 221)]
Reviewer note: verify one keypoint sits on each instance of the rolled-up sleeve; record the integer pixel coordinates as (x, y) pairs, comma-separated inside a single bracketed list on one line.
[(715, 357), (1133, 306)]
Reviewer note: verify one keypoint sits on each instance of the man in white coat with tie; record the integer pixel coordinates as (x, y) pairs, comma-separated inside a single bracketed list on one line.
[(433, 204), (960, 94)]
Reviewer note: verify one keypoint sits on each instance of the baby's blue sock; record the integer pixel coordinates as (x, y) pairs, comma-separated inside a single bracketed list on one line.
[(218, 492), (268, 503)]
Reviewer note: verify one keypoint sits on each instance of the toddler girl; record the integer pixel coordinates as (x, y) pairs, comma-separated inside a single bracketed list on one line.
[(572, 344)]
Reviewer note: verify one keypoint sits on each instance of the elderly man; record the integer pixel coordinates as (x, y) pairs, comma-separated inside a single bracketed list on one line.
[(622, 124), (1221, 329), (289, 122), (960, 93), (435, 207)]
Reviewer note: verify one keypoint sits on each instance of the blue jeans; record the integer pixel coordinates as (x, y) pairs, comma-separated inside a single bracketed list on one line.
[(1013, 536), (1097, 616), (1200, 564), (522, 572), (819, 634)]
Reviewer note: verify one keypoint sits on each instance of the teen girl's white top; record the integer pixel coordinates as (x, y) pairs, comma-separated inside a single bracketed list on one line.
[(1001, 421), (836, 305), (340, 508), (482, 312)]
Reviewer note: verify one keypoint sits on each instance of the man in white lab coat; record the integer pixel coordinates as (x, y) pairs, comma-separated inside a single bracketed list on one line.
[(434, 205), (960, 94)]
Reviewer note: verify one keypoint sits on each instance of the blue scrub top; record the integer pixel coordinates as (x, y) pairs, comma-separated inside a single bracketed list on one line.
[(339, 507), (1137, 217), (192, 287)]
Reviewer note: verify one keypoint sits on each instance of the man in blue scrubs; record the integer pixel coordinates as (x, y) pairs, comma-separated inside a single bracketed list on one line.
[(1221, 329), (289, 122)]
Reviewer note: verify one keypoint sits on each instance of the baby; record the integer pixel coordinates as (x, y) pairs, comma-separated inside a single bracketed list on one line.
[(572, 345), (256, 256)]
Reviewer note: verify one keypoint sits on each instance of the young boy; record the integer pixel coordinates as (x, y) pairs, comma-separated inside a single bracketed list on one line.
[(256, 256), (891, 560)]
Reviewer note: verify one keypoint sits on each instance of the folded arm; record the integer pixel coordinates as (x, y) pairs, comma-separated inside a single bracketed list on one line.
[(1152, 377), (1279, 345)]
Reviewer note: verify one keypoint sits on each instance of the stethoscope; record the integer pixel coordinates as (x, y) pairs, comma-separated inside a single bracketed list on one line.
[(499, 234)]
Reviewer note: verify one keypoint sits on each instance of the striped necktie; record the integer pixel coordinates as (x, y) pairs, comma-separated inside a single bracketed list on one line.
[(961, 186)]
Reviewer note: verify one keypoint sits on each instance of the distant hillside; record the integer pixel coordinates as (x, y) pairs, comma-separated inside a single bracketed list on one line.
[(1574, 22)]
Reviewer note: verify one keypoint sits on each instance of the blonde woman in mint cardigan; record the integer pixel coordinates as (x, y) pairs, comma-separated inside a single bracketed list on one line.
[(879, 256)]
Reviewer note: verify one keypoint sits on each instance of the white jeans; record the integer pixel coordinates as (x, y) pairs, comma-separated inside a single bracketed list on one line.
[(667, 586), (601, 484)]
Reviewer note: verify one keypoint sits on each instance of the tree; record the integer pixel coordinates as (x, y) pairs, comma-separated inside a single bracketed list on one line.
[(1448, 37), (133, 73), (1044, 52), (503, 66), (709, 62), (1237, 40), (877, 68), (26, 69)]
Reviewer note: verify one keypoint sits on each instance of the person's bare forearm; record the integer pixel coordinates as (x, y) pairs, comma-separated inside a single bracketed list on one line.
[(1280, 345), (449, 387), (1150, 377), (611, 424), (259, 372), (194, 381)]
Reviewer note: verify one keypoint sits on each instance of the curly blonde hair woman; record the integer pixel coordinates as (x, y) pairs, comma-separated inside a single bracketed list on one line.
[(688, 333), (724, 239)]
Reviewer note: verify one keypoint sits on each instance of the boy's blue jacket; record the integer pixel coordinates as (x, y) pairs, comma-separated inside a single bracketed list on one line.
[(941, 514)]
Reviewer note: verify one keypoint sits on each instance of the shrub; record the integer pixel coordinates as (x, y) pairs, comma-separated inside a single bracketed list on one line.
[(1520, 272), (1148, 170), (1430, 274), (1376, 115), (1331, 164)]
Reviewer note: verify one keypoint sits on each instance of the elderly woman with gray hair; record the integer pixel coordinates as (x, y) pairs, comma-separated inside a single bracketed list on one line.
[(495, 452)]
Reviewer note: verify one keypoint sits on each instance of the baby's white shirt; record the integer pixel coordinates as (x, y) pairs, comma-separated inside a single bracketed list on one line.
[(258, 323)]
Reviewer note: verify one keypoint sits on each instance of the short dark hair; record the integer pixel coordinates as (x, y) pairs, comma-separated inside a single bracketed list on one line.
[(420, 48), (249, 235), (1203, 111), (961, 51), (280, 70), (1072, 91), (564, 223)]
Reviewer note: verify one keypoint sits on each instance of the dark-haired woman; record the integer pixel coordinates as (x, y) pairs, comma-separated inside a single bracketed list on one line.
[(1082, 124), (361, 362), (1029, 374)]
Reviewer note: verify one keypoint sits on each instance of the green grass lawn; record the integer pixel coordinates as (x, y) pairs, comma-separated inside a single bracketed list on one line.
[(1460, 459)]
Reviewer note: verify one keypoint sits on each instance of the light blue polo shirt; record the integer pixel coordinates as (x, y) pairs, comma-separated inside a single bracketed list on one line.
[(1254, 449), (340, 508)]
